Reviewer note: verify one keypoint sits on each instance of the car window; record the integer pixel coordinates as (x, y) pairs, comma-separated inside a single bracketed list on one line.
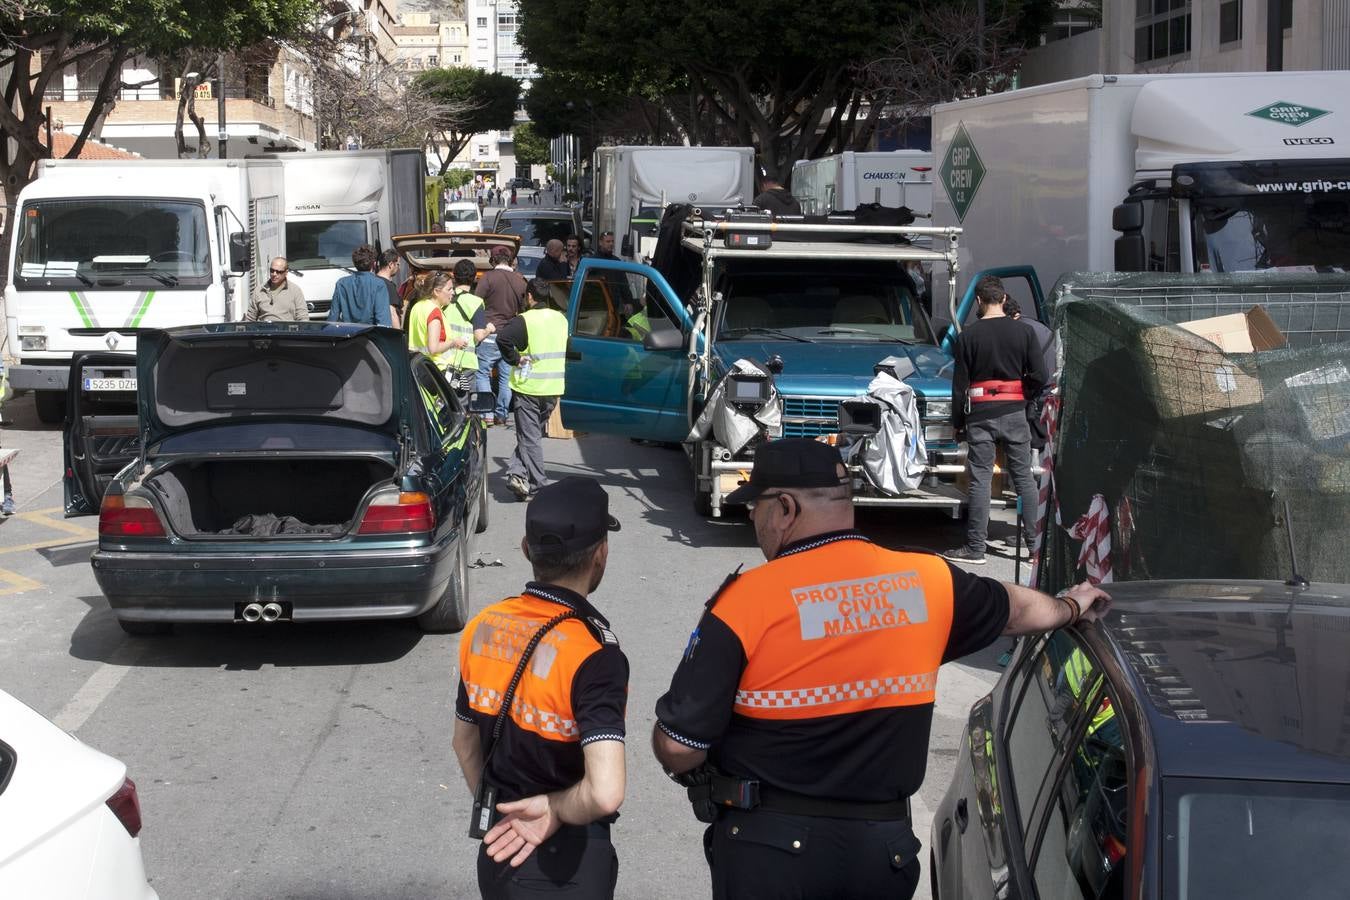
[(443, 412), (1062, 679), (1018, 287), (624, 306), (1082, 838)]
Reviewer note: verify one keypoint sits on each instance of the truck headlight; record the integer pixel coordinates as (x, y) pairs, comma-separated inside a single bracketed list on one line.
[(32, 342), (937, 409)]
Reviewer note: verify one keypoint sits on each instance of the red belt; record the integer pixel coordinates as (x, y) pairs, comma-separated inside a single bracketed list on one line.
[(995, 391)]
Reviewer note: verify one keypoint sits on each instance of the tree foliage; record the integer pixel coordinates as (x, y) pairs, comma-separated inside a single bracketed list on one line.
[(785, 77), (531, 147), (486, 101)]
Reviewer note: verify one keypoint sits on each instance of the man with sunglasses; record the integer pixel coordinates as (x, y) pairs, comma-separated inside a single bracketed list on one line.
[(279, 300), (798, 718)]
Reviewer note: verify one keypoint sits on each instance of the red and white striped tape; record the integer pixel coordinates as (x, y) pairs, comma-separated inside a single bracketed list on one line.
[(1050, 422), (1093, 528)]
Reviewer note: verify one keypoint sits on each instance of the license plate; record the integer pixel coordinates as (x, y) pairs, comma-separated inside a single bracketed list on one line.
[(110, 384)]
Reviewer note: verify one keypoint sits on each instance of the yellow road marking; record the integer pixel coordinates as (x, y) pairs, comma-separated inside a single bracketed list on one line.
[(42, 517), (16, 583)]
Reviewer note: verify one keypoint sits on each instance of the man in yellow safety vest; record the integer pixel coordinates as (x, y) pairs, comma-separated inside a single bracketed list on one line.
[(535, 344)]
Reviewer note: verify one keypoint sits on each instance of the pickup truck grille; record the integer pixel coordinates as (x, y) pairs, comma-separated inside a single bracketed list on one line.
[(810, 416)]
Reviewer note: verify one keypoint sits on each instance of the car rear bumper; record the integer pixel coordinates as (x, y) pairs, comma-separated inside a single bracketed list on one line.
[(196, 587)]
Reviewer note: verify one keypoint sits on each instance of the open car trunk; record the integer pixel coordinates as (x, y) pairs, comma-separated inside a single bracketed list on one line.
[(295, 498)]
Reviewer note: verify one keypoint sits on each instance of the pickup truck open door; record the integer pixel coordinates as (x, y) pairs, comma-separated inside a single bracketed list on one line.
[(627, 360)]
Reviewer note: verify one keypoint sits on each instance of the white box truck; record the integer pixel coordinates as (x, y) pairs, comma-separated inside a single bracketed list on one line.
[(633, 185), (102, 248), (842, 182), (337, 200), (1172, 173)]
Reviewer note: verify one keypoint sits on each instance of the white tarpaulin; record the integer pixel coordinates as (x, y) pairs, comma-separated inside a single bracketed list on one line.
[(894, 458), (734, 427), (713, 177)]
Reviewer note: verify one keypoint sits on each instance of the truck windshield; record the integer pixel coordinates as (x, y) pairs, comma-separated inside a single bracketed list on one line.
[(324, 244), (808, 302), (1290, 230), (107, 242)]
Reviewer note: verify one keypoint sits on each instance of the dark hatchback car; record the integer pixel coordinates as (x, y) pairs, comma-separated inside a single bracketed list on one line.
[(536, 226), (282, 471), (1195, 744)]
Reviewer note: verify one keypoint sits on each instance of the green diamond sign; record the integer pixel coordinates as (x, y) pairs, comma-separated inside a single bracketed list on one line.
[(1287, 113), (961, 172)]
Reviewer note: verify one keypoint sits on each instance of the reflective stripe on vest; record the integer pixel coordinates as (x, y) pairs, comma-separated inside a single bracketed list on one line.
[(638, 324), (466, 358), (995, 391), (490, 648), (846, 627), (546, 340)]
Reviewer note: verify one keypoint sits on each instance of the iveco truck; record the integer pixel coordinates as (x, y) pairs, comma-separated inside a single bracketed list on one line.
[(340, 199), (100, 249), (1211, 172)]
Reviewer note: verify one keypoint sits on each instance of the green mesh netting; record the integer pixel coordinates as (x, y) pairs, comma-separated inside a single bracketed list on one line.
[(1196, 452)]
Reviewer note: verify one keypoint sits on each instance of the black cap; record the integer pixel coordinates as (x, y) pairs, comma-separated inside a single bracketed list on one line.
[(569, 514), (789, 463)]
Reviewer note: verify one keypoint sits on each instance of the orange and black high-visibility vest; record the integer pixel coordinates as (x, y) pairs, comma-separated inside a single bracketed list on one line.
[(490, 648), (849, 628)]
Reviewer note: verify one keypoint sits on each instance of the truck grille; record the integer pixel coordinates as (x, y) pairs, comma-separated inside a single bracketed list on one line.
[(810, 416)]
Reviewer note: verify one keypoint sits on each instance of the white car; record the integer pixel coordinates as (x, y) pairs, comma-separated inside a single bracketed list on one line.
[(69, 815), (463, 216)]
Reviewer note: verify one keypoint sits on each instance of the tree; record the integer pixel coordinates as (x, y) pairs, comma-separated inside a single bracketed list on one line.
[(531, 147), (39, 41), (456, 178), (482, 101)]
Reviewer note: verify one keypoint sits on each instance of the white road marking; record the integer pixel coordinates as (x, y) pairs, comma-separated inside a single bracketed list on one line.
[(96, 689)]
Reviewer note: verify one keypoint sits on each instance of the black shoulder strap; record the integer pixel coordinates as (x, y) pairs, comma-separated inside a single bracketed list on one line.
[(510, 694), (454, 298), (722, 589)]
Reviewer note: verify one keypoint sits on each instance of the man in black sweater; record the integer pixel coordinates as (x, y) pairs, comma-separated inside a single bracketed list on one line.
[(999, 366)]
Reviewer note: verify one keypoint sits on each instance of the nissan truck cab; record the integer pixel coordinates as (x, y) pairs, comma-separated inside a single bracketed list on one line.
[(817, 308)]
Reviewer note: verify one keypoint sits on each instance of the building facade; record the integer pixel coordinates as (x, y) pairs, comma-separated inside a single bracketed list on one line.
[(1188, 36)]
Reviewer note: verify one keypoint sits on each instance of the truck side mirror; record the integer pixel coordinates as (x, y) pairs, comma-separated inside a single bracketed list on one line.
[(627, 248), (1130, 255), (663, 339), (241, 257), (1128, 216)]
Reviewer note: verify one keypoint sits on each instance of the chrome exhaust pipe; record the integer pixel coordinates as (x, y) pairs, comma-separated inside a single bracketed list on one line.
[(252, 613), (271, 612)]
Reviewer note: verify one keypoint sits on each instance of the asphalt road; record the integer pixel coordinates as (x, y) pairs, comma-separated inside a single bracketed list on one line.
[(314, 762)]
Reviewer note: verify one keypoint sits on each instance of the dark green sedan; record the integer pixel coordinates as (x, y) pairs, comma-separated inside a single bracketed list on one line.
[(282, 471)]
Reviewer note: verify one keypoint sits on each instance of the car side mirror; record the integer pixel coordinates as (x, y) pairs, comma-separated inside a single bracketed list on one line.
[(241, 257), (482, 403), (663, 339)]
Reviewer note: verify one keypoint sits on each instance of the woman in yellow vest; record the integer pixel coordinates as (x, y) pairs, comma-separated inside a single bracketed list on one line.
[(466, 322), (426, 323)]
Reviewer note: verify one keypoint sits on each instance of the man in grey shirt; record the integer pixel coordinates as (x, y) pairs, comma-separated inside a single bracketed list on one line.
[(279, 300)]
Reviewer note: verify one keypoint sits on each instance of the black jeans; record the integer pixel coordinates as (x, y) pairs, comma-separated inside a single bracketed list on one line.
[(982, 438), (761, 855), (578, 862)]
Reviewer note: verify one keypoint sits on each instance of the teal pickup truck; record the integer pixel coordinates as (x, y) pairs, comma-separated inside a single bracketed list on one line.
[(817, 305)]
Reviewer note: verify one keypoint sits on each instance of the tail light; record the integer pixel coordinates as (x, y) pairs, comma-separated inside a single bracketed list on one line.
[(128, 516), (398, 513), (127, 807)]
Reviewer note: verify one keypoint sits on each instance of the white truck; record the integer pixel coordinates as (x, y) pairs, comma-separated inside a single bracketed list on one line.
[(102, 248), (843, 181), (633, 185), (337, 200), (1171, 173)]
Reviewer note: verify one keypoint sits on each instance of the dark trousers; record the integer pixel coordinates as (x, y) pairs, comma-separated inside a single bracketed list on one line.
[(761, 855), (532, 414), (982, 440), (579, 862)]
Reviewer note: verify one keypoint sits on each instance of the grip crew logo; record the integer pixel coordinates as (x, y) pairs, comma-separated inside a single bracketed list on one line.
[(1287, 113)]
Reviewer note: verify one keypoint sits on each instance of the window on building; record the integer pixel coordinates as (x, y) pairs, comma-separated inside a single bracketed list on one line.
[(459, 57), (520, 69), (506, 24), (483, 150), (1069, 22), (482, 44), (1162, 29), (433, 61), (482, 21), (1230, 21)]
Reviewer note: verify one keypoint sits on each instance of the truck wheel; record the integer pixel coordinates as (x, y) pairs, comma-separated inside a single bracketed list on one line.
[(51, 407), (451, 611), (145, 629)]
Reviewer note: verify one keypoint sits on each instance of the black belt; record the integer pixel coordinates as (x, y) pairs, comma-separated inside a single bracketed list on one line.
[(747, 793)]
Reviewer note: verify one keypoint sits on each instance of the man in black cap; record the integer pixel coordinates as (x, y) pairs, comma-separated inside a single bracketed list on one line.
[(555, 776), (798, 718)]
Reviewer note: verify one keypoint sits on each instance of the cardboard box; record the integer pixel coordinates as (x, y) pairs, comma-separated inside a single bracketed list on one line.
[(1239, 332), (555, 425)]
